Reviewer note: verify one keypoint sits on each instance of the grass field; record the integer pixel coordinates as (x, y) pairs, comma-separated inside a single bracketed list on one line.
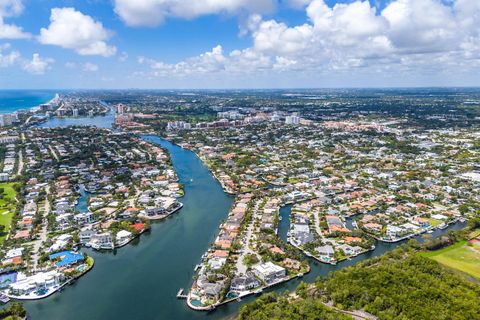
[(459, 256), (434, 222), (7, 207)]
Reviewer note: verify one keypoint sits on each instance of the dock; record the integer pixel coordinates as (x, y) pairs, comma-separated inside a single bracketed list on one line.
[(181, 295)]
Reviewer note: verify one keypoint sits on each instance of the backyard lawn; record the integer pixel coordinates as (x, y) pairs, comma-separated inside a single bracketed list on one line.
[(434, 223), (459, 256), (7, 207)]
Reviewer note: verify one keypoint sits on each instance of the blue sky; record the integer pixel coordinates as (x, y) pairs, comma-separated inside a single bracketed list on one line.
[(238, 43)]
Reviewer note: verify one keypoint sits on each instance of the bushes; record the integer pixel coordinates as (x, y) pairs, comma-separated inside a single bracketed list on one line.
[(14, 311), (404, 287), (399, 285), (272, 306)]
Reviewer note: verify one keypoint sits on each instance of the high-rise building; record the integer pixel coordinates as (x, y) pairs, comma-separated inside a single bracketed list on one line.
[(6, 120), (120, 108), (292, 119)]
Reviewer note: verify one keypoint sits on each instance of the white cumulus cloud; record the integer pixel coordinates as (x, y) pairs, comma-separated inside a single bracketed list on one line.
[(11, 8), (407, 37), (154, 12), (38, 65), (72, 29), (8, 59)]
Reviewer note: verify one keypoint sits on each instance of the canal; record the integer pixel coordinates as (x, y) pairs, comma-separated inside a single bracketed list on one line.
[(140, 280)]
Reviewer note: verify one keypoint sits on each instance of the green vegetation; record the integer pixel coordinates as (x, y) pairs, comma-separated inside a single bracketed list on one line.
[(7, 208), (14, 311), (89, 261), (399, 285), (250, 259), (273, 306), (460, 256), (434, 223)]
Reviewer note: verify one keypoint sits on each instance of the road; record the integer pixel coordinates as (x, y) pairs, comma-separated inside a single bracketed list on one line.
[(37, 244), (317, 223), (241, 267), (53, 153), (20, 162)]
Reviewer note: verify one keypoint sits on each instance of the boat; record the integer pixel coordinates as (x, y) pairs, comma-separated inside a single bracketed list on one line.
[(259, 291), (300, 275)]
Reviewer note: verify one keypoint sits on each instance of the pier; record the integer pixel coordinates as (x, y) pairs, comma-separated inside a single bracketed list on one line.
[(181, 295)]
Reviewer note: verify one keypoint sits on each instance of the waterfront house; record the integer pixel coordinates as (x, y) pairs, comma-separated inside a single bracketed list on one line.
[(325, 251), (292, 264), (223, 244), (244, 283), (84, 218), (37, 285), (269, 272), (393, 231), (85, 236), (139, 227), (212, 290), (123, 237), (101, 241), (61, 242), (373, 227), (422, 222), (66, 258)]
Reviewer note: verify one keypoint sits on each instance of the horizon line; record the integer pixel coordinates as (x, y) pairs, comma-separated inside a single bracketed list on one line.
[(247, 89)]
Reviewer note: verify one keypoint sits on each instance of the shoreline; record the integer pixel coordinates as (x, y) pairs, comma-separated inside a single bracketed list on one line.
[(225, 189), (256, 291), (57, 289), (14, 107), (161, 217)]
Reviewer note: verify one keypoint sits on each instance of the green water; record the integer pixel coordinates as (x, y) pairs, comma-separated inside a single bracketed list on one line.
[(140, 280)]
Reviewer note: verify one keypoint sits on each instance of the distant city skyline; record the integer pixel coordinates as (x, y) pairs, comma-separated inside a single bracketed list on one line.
[(219, 44)]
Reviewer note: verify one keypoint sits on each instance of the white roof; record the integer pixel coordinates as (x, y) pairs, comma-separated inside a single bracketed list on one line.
[(65, 237), (268, 268), (16, 252), (123, 234)]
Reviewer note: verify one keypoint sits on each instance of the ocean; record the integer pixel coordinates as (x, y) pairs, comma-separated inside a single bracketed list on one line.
[(13, 100)]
